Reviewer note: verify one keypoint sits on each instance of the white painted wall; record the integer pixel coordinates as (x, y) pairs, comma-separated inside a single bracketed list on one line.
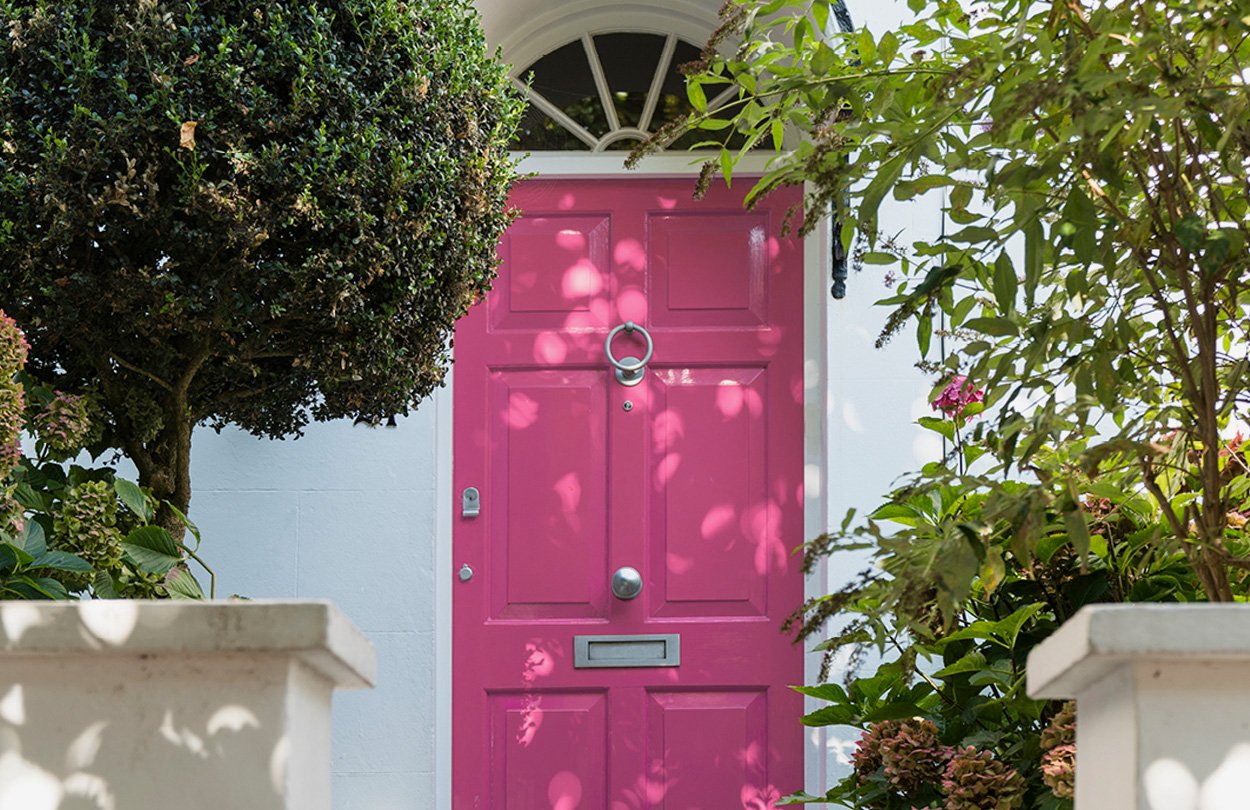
[(351, 513), (346, 513)]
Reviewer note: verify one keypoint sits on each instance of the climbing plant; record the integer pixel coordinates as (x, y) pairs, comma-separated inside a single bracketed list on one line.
[(1090, 162)]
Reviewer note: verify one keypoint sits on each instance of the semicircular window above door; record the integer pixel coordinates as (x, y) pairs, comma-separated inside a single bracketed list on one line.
[(607, 92)]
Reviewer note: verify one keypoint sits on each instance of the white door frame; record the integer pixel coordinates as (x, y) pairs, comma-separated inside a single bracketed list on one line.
[(817, 308)]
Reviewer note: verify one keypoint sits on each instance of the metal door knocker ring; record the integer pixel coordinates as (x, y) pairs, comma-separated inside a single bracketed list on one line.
[(629, 370)]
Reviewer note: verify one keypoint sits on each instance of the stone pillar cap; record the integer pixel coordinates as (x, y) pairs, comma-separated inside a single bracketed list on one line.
[(314, 631), (1100, 638)]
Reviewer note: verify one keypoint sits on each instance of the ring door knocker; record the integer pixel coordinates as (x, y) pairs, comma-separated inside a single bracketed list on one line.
[(629, 370)]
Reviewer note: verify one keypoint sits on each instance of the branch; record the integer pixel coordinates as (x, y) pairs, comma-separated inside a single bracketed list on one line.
[(142, 372)]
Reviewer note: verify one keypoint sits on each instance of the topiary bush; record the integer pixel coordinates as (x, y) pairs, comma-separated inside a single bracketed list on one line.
[(224, 212)]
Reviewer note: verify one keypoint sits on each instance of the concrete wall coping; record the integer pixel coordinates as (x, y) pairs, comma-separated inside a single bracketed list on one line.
[(315, 632), (1100, 638)]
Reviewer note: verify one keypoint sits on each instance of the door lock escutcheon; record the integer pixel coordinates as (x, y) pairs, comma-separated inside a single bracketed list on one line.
[(470, 502)]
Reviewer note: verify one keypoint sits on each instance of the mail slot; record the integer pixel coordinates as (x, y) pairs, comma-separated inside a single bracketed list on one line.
[(590, 652)]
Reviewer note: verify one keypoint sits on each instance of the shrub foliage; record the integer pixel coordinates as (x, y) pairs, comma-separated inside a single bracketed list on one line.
[(257, 214)]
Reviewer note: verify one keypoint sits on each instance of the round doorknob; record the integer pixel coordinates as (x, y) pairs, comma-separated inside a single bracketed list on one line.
[(626, 583)]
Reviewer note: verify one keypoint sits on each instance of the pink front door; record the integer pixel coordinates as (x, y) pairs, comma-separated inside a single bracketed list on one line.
[(693, 478)]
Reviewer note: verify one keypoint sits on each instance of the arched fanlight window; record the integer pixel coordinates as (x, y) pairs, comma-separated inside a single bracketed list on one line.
[(607, 92)]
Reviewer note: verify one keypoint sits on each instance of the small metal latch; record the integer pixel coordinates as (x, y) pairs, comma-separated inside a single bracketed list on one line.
[(465, 573), (470, 502)]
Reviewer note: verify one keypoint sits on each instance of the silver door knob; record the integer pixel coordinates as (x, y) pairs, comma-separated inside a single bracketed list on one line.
[(626, 583)]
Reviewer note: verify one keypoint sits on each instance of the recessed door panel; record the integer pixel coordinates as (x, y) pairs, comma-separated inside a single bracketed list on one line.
[(548, 544), (710, 269), (558, 273), (733, 772), (710, 516), (548, 751)]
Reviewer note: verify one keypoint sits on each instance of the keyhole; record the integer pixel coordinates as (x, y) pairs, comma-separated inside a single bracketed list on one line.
[(628, 406)]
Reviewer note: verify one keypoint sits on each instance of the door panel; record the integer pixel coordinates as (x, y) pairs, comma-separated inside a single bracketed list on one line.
[(549, 751), (549, 489), (708, 480), (693, 477), (692, 773)]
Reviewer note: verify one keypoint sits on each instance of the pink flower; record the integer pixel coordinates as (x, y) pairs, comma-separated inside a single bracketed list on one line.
[(956, 396)]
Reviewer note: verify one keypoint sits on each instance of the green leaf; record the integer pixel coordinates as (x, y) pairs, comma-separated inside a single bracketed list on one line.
[(61, 561), (866, 46), (997, 327), (887, 175), (961, 196), (943, 427), (726, 165), (154, 538), (182, 585), (887, 48), (1081, 217), (835, 715), (1005, 283), (9, 559), (1009, 628), (1078, 530), (974, 233), (152, 549), (103, 585), (908, 189), (973, 661), (186, 521), (133, 497), (924, 333), (876, 257), (832, 692), (698, 99), (149, 561), (40, 588), (54, 589), (32, 539), (892, 711), (1191, 232)]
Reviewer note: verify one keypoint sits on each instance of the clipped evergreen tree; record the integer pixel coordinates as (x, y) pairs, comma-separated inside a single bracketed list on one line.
[(222, 212)]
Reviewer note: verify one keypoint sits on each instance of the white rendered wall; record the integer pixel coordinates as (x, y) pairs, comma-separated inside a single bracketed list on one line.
[(345, 513)]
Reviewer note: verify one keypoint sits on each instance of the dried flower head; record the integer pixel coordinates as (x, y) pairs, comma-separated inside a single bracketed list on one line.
[(1062, 728), (913, 756), (866, 759), (974, 780), (907, 752), (957, 395), (10, 456), (12, 407), (1059, 770), (65, 424), (12, 515), (13, 346), (86, 525)]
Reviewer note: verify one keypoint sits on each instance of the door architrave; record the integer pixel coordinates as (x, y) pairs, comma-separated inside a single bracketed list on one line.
[(817, 311)]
